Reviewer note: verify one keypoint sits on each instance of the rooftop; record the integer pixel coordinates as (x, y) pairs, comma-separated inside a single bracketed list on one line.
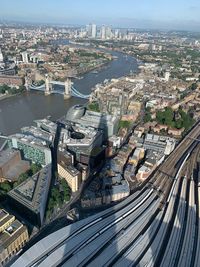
[(38, 133), (15, 170), (47, 125), (6, 155), (3, 214), (122, 188), (30, 192), (78, 137), (29, 139), (73, 171), (10, 234), (158, 138)]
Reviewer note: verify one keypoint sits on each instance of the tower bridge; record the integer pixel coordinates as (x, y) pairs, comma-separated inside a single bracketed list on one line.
[(48, 88)]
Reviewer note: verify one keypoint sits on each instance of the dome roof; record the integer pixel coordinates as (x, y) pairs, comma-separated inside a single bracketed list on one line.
[(75, 112)]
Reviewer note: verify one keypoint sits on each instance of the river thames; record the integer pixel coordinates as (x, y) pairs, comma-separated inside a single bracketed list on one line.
[(21, 110)]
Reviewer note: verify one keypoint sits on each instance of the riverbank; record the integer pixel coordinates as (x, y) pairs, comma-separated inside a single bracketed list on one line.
[(96, 68), (5, 96), (21, 110)]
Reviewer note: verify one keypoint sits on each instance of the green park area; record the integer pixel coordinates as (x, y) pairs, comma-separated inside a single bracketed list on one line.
[(179, 119), (124, 124), (11, 90), (84, 53), (59, 195), (93, 106)]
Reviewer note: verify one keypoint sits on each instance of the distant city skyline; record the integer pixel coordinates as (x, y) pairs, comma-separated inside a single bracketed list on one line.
[(154, 14)]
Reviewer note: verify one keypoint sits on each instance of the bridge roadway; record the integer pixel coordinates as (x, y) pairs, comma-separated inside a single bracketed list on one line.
[(152, 227), (74, 92)]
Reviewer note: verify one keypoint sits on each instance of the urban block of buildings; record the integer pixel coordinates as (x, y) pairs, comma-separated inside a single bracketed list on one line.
[(117, 97), (81, 143), (32, 148), (30, 197), (13, 236)]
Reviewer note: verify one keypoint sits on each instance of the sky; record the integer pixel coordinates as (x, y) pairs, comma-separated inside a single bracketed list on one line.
[(163, 14)]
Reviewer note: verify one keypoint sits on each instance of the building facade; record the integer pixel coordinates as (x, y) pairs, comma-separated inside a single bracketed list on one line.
[(30, 197), (94, 31), (13, 236), (11, 80), (31, 148), (71, 175)]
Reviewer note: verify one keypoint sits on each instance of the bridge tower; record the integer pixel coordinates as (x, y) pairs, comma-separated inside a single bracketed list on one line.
[(68, 88), (47, 86)]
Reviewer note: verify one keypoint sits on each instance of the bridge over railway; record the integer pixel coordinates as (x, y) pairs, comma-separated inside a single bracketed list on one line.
[(49, 88), (158, 225)]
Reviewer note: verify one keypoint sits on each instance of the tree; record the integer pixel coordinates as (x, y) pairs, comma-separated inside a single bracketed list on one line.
[(124, 124), (160, 117), (48, 213), (55, 193), (35, 168), (179, 124), (94, 106), (67, 59), (166, 117), (50, 204), (66, 197), (147, 117), (12, 90), (148, 109), (66, 190), (193, 86), (22, 88), (22, 177), (2, 90), (169, 116), (187, 120), (5, 186)]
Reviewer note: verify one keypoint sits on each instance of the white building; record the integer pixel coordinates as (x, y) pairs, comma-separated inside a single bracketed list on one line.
[(108, 33), (1, 59), (103, 32), (167, 75), (94, 30), (89, 30), (25, 57), (116, 33), (1, 56)]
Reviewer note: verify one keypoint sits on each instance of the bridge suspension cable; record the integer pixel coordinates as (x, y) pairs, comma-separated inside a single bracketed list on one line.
[(74, 92), (79, 94)]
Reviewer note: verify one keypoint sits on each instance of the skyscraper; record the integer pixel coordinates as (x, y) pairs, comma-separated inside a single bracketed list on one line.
[(108, 32), (103, 32), (1, 56), (94, 31), (116, 33), (1, 59), (89, 30)]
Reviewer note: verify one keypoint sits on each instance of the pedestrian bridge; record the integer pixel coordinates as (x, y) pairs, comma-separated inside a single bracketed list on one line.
[(49, 88)]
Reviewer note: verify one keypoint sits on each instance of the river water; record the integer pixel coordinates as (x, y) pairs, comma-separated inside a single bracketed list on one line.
[(21, 110)]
